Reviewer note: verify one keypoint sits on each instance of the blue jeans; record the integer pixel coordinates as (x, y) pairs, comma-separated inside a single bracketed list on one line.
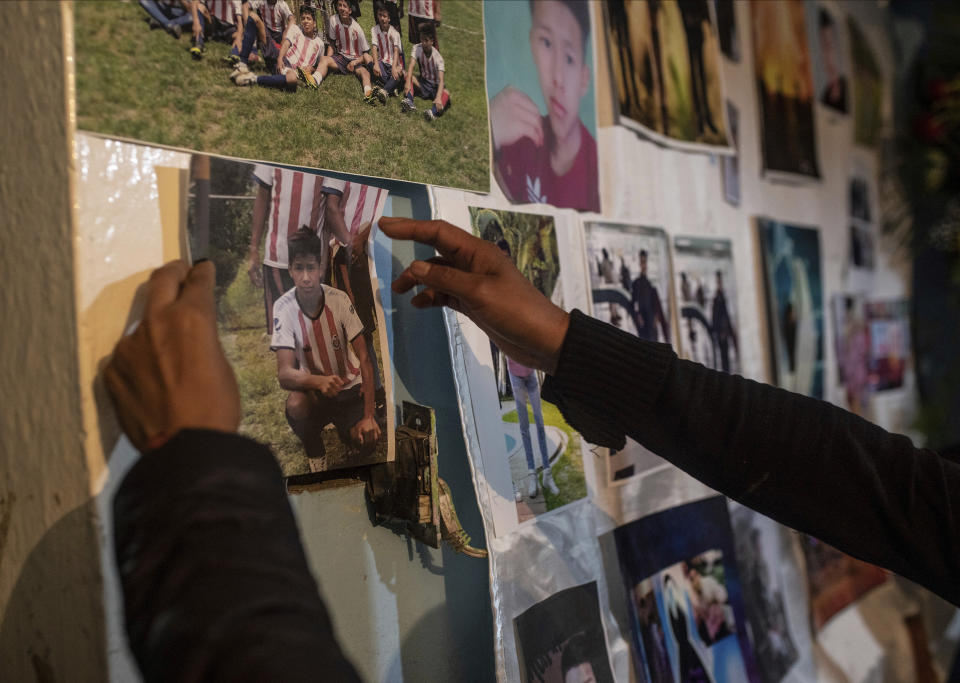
[(527, 389), (172, 16)]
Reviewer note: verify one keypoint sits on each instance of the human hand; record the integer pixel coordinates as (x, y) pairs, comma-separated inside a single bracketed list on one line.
[(396, 72), (328, 385), (352, 66), (513, 115), (438, 102), (366, 431), (474, 277), (171, 373), (254, 270), (376, 70)]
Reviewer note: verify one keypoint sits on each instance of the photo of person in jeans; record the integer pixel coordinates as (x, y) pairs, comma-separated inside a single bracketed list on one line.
[(526, 389)]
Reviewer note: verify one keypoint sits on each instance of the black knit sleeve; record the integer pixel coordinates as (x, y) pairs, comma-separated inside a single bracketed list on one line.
[(215, 582), (804, 462)]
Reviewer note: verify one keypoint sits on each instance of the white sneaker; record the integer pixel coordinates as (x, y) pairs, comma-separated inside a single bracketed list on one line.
[(241, 68), (248, 78), (549, 484), (532, 488)]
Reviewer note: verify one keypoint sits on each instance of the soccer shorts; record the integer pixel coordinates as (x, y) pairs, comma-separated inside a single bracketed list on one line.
[(342, 62), (276, 283), (427, 89), (343, 411)]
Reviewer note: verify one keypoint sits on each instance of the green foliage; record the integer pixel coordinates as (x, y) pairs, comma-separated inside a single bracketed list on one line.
[(532, 239), (142, 84)]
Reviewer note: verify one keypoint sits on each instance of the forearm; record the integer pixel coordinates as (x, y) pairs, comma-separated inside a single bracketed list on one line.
[(294, 379), (366, 379), (215, 582), (806, 463)]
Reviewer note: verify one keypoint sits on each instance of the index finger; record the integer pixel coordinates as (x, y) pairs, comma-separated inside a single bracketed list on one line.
[(164, 286), (198, 286), (447, 239)]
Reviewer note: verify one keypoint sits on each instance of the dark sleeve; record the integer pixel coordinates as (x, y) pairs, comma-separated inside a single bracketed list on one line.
[(804, 462), (215, 582)]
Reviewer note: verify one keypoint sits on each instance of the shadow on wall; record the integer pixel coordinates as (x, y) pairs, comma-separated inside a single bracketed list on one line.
[(45, 634)]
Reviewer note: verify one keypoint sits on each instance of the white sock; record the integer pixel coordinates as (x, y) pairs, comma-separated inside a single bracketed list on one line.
[(366, 90)]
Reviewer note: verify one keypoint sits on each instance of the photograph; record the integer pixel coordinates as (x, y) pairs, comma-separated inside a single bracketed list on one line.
[(542, 106), (835, 580), (551, 475), (727, 29), (764, 550), (326, 85), (298, 309), (730, 164), (706, 282), (665, 63), (853, 350), (861, 228), (684, 595), (793, 289), (889, 326), (784, 89), (831, 73), (561, 639), (629, 269), (868, 92)]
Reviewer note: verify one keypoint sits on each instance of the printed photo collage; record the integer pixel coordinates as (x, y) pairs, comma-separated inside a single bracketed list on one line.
[(310, 120)]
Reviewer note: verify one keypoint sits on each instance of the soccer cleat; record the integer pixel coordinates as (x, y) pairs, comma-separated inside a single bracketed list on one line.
[(174, 30), (407, 106), (370, 99), (240, 69), (549, 484), (247, 78), (153, 23), (428, 115), (306, 78), (196, 53), (231, 60), (532, 488), (380, 95)]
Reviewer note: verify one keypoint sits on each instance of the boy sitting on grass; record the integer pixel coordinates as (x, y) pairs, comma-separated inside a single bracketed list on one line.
[(322, 358), (299, 52), (430, 85), (264, 23), (387, 50), (553, 158), (217, 20), (351, 55)]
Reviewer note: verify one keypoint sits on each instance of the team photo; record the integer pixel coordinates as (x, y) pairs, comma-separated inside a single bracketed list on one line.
[(382, 88)]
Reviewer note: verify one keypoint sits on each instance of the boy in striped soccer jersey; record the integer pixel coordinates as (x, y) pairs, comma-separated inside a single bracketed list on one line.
[(420, 12), (217, 19), (300, 50), (286, 200), (430, 85), (322, 359), (387, 48), (264, 24), (348, 52)]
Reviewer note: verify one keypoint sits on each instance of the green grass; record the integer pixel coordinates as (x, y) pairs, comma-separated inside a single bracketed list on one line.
[(243, 333), (568, 468), (136, 83)]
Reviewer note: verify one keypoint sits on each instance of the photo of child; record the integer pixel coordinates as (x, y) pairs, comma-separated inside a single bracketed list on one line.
[(539, 60)]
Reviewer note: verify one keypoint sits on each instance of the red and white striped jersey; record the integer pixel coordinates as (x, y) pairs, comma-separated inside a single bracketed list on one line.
[(296, 199), (226, 11), (430, 67), (274, 15), (385, 42), (422, 8), (303, 51), (359, 203), (350, 40), (322, 344)]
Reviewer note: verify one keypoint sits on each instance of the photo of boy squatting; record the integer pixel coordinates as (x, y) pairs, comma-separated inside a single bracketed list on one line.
[(323, 359)]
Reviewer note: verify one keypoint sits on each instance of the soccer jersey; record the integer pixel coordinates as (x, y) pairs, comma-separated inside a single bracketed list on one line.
[(385, 42), (322, 344), (350, 40), (430, 67), (303, 51), (359, 203), (226, 11), (296, 199), (422, 8), (274, 16)]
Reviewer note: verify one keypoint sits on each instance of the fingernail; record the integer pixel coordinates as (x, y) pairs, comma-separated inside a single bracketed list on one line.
[(419, 268)]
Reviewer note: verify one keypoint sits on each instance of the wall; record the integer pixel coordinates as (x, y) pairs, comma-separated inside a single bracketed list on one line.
[(51, 626)]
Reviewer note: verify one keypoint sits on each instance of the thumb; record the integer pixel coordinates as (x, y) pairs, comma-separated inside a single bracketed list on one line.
[(446, 279)]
